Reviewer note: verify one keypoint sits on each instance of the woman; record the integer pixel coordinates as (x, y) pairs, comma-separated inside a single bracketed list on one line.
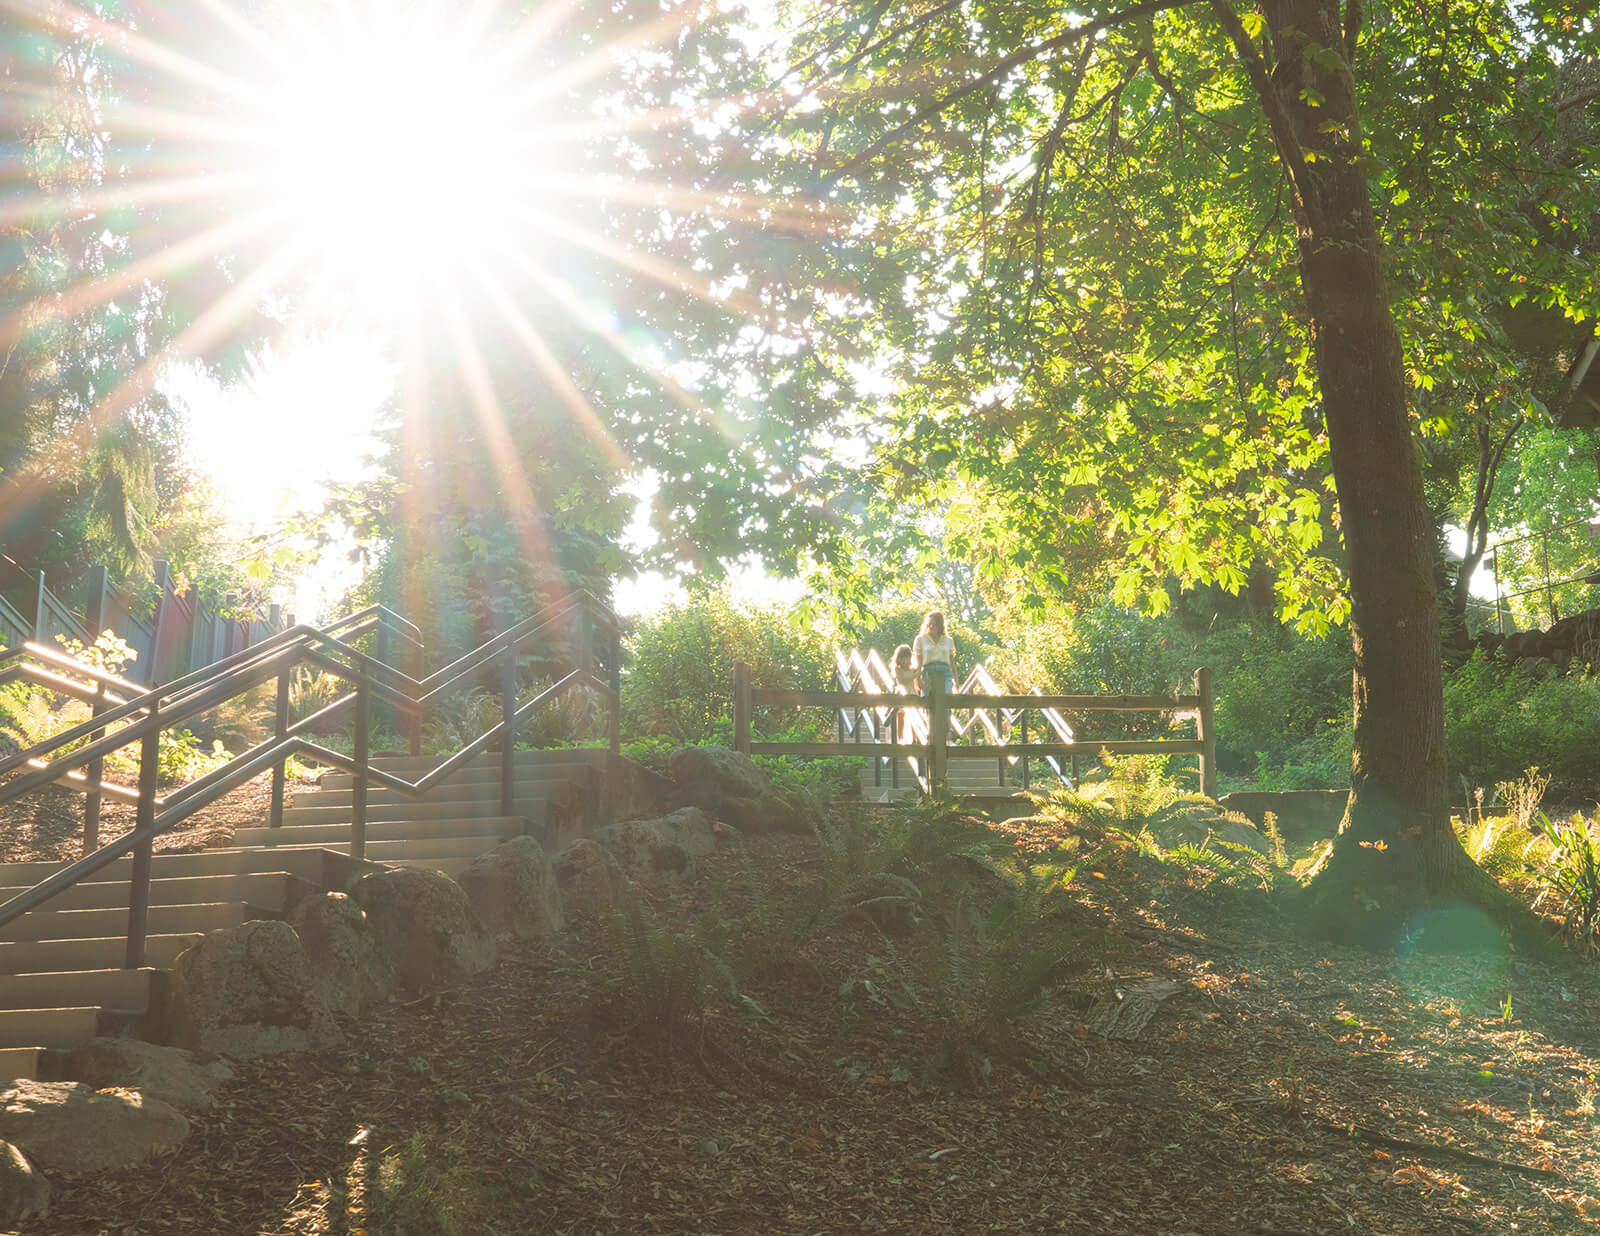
[(934, 655)]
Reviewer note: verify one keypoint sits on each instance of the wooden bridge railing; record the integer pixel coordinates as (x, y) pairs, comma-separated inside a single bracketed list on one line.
[(747, 697)]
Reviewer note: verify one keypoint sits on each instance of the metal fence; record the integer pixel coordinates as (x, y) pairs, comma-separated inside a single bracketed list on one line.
[(176, 632)]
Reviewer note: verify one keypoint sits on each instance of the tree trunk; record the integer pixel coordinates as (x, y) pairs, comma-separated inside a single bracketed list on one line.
[(1396, 853)]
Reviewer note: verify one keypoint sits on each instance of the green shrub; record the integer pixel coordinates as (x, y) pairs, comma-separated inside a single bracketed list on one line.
[(1500, 720), (680, 679)]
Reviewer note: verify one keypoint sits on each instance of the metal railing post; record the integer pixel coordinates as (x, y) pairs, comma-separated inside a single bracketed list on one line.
[(508, 730), (741, 707), (1208, 732), (358, 796), (280, 731), (145, 829), (94, 772)]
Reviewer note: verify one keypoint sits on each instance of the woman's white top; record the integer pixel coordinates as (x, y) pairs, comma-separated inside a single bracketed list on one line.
[(926, 650)]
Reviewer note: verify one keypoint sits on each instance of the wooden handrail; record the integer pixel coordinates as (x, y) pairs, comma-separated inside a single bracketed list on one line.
[(869, 671)]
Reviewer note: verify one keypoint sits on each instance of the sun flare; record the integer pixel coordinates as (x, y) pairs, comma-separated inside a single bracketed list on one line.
[(395, 152)]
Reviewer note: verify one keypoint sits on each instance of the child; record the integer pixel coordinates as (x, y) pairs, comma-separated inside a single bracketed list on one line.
[(905, 681), (905, 675)]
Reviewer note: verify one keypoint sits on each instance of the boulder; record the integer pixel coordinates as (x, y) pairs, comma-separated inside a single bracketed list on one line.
[(1521, 644), (1193, 826), (513, 890), (348, 961), (728, 772), (74, 1130), (166, 1073), (24, 1192), (728, 786), (588, 878), (247, 991), (426, 926), (662, 849)]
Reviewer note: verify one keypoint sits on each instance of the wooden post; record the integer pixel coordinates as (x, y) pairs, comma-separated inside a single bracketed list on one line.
[(95, 772), (1024, 753), (144, 828), (280, 731), (94, 604), (741, 707), (1208, 732), (508, 730), (41, 612), (1000, 739), (358, 796), (192, 659), (159, 621), (938, 733), (614, 677)]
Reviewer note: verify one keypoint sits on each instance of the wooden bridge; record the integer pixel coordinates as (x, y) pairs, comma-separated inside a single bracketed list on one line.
[(962, 741)]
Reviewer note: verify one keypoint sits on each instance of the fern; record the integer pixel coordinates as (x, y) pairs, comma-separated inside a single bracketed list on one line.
[(667, 979)]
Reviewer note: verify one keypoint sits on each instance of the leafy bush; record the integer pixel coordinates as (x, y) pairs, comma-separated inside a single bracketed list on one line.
[(1500, 720), (680, 680)]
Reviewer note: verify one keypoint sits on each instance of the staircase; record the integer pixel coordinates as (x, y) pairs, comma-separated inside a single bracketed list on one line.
[(66, 930), (61, 975), (966, 776), (61, 980)]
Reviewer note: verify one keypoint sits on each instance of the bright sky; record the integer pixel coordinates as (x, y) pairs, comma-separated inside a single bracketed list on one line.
[(412, 153), (301, 417)]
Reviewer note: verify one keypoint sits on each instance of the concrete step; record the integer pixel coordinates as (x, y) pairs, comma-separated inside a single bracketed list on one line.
[(19, 1063), (525, 788), (62, 1028), (484, 768), (452, 867), (535, 809), (269, 890), (427, 851), (104, 953), (331, 870), (474, 778), (94, 924), (124, 990), (337, 835)]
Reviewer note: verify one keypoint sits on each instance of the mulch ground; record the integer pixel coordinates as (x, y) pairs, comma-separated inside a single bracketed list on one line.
[(48, 826), (1289, 1088)]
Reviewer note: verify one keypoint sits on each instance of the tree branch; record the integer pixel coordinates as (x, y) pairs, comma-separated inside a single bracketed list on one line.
[(999, 70), (1576, 100), (1353, 16), (1289, 150)]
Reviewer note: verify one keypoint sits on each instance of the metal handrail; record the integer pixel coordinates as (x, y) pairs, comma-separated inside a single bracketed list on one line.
[(142, 718)]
